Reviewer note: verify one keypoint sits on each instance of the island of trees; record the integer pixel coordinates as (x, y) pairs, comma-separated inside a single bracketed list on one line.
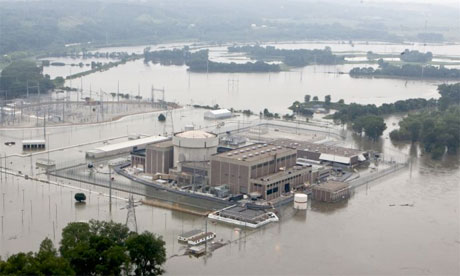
[(94, 248), (294, 58), (438, 129), (386, 69), (199, 62), (433, 123), (415, 56)]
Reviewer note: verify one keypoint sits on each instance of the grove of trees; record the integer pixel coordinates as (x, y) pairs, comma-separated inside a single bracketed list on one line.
[(406, 70), (437, 130), (94, 248), (16, 76), (295, 58)]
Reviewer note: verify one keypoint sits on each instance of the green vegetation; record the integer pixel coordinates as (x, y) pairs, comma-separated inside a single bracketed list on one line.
[(199, 62), (94, 248), (45, 262), (372, 125), (406, 70), (80, 197), (161, 117), (16, 76), (415, 56), (436, 130), (269, 115), (294, 58)]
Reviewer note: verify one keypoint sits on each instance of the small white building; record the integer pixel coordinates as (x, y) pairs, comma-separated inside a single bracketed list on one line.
[(217, 114), (33, 144)]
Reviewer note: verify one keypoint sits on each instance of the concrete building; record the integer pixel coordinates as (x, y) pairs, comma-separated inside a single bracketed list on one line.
[(194, 145), (123, 147), (138, 159), (159, 157), (331, 191), (325, 153), (258, 168), (217, 114)]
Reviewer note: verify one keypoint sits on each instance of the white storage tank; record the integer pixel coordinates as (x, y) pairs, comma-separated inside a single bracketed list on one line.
[(194, 145), (300, 201)]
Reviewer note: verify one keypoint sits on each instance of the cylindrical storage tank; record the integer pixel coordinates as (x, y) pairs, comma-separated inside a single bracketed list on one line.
[(300, 201), (194, 145)]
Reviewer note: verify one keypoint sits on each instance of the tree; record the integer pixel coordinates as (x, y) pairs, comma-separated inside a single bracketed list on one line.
[(373, 126), (341, 101), (45, 262), (147, 253), (315, 98), (15, 77), (327, 100), (306, 98), (80, 197), (161, 117)]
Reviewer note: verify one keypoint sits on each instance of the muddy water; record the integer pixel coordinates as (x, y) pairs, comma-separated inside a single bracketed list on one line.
[(364, 235), (255, 91)]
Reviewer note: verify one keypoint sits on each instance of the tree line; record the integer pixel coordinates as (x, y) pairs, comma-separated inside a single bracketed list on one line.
[(199, 62), (19, 75), (406, 70), (438, 130), (94, 248), (291, 57)]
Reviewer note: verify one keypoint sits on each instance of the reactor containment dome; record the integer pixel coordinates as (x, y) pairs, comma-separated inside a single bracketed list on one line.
[(194, 146)]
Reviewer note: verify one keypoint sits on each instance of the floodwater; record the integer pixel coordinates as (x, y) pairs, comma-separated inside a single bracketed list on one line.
[(364, 235), (256, 91)]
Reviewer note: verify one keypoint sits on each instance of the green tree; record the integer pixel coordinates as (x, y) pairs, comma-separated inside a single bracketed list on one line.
[(327, 100), (315, 98), (306, 98), (374, 126), (45, 262), (147, 253), (15, 77)]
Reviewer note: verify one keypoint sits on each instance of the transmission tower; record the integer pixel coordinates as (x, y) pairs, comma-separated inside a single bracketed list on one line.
[(131, 221)]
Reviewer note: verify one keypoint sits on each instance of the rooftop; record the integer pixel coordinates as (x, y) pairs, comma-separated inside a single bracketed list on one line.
[(195, 134), (254, 152), (190, 234), (220, 111), (164, 144), (130, 144), (322, 148), (331, 186)]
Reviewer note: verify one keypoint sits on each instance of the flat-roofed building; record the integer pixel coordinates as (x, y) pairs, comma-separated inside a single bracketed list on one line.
[(331, 191), (159, 157), (237, 167), (325, 153), (274, 185)]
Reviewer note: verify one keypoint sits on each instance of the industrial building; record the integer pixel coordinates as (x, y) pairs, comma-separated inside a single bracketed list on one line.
[(260, 168), (123, 147), (217, 114), (159, 157), (325, 153), (33, 144), (331, 191), (193, 145)]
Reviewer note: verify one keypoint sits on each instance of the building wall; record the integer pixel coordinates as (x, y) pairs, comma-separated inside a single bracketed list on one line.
[(138, 162), (308, 154), (237, 174), (158, 160)]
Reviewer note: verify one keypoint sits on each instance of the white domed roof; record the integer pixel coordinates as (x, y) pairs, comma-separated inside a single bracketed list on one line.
[(195, 134)]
